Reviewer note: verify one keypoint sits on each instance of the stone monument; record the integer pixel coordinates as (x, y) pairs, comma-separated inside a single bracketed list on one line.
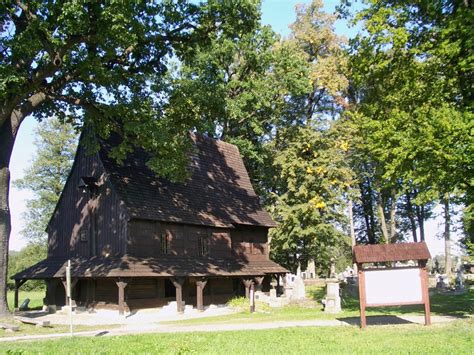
[(332, 302)]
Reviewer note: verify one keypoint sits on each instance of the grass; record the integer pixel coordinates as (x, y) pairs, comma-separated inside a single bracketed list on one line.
[(36, 303), (452, 338), (36, 298), (29, 329), (441, 304)]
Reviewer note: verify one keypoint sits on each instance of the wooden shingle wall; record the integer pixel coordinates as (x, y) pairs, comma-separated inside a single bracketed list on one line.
[(70, 229)]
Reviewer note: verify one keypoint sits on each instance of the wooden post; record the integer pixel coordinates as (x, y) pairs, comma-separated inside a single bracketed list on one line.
[(178, 283), (362, 298), (121, 284), (200, 284), (51, 285), (73, 284), (247, 283), (425, 291), (18, 284), (258, 282)]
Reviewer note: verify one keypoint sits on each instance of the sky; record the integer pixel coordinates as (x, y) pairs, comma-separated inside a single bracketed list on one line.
[(279, 14)]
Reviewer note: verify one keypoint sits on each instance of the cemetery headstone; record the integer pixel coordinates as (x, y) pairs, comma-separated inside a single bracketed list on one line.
[(299, 292)]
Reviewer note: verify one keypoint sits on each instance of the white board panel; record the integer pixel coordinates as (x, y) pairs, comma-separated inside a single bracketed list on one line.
[(393, 286)]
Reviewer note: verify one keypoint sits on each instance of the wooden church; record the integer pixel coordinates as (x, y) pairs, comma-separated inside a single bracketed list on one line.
[(136, 240)]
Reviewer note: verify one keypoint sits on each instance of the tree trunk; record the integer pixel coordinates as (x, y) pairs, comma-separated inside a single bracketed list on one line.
[(383, 225), (411, 217), (367, 205), (393, 211), (352, 229), (420, 215), (447, 235), (7, 134), (5, 229)]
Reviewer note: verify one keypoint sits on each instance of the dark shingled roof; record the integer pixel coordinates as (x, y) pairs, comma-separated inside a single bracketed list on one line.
[(217, 193), (164, 266), (390, 252)]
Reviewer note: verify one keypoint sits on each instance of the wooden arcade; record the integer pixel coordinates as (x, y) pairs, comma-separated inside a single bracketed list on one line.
[(382, 286)]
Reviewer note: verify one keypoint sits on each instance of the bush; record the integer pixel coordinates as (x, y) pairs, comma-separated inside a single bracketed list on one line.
[(20, 260), (242, 304)]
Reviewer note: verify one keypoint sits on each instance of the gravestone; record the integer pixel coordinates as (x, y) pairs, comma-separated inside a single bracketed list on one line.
[(332, 302), (298, 292)]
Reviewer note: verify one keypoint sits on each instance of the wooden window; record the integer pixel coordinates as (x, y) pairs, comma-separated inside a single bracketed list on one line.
[(203, 245), (164, 243), (83, 235)]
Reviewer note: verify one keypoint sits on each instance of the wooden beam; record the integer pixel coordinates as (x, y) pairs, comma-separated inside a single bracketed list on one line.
[(247, 283), (121, 284), (38, 323), (200, 284), (178, 284), (425, 294)]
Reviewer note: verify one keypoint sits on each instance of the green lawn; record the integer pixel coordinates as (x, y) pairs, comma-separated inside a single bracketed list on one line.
[(441, 304), (36, 298), (453, 338)]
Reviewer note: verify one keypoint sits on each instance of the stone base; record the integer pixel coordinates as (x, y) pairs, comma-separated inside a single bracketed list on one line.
[(332, 305), (332, 302)]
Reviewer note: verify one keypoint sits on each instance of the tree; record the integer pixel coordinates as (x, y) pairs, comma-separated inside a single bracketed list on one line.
[(237, 88), (18, 261), (310, 198), (410, 70), (103, 64), (55, 147)]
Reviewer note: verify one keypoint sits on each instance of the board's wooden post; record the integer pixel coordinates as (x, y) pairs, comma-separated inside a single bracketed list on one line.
[(425, 291), (362, 296)]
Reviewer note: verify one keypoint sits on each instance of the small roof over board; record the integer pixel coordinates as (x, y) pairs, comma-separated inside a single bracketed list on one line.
[(378, 253)]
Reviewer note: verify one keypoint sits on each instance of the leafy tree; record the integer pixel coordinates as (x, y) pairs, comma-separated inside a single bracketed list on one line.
[(55, 147), (410, 68), (257, 91), (311, 183), (104, 64), (237, 88), (309, 201)]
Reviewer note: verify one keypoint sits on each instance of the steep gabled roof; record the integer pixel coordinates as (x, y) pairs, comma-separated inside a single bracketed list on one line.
[(217, 193)]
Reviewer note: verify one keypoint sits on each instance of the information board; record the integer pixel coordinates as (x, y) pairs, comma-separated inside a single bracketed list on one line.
[(393, 286)]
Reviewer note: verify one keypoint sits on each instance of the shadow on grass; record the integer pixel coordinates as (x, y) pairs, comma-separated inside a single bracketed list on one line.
[(375, 320), (460, 305), (31, 313)]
